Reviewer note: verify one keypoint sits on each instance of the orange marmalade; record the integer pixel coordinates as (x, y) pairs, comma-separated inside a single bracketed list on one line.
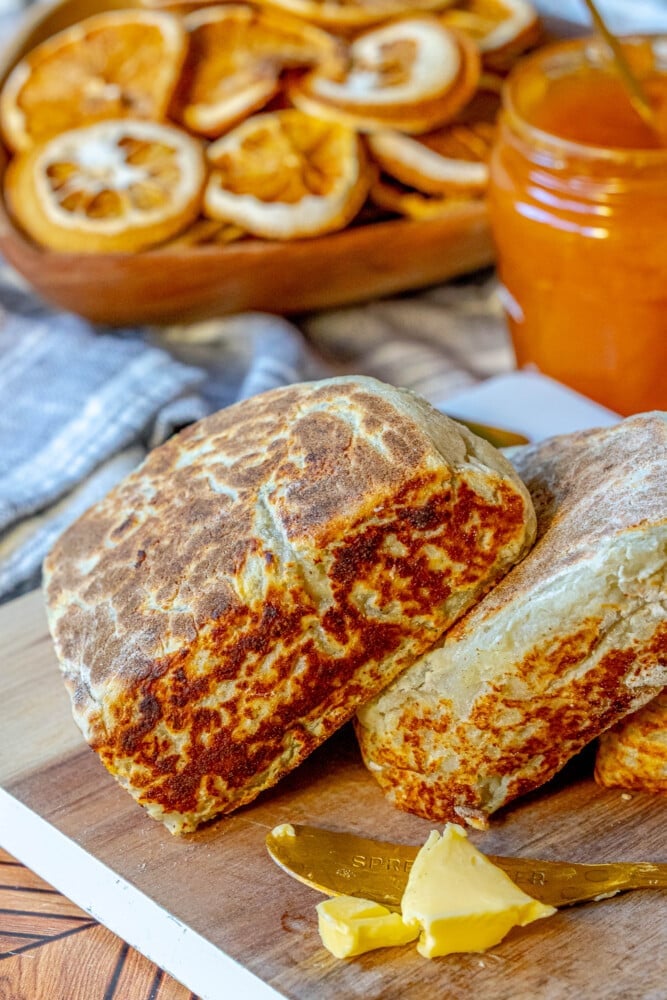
[(578, 203)]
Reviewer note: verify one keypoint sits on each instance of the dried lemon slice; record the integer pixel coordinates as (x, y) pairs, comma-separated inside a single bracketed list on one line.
[(236, 57), (411, 74), (113, 65), (283, 175), (501, 28), (114, 186), (450, 160), (345, 16)]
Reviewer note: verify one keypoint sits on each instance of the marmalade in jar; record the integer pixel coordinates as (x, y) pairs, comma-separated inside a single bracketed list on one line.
[(578, 203)]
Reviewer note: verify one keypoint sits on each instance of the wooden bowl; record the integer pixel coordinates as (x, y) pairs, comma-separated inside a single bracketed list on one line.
[(192, 283)]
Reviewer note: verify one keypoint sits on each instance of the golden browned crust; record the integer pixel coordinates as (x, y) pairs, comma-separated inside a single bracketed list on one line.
[(232, 602), (571, 640), (633, 753)]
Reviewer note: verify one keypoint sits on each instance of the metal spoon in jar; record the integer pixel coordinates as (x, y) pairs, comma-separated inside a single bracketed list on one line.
[(638, 98)]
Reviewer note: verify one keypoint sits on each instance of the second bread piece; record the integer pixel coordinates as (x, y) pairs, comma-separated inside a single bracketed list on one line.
[(231, 603), (633, 753), (571, 640)]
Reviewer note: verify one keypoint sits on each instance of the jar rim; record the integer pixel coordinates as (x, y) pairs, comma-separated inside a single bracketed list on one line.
[(583, 49)]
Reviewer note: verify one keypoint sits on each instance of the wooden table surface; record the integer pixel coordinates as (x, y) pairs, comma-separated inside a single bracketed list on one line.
[(52, 950)]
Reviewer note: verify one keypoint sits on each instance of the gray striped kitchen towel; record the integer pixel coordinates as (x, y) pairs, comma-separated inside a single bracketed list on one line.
[(70, 401), (80, 407)]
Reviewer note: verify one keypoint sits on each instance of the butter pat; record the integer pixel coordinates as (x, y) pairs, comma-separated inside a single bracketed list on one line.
[(349, 926), (283, 830), (459, 900)]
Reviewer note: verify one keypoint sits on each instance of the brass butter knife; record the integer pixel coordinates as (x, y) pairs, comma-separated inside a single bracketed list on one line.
[(342, 863), (499, 437)]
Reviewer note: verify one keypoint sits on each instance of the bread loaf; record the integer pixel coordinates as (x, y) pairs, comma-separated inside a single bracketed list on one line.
[(235, 599), (633, 753), (570, 641)]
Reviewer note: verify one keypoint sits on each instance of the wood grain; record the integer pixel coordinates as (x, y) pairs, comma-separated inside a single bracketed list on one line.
[(222, 883), (51, 948), (164, 286)]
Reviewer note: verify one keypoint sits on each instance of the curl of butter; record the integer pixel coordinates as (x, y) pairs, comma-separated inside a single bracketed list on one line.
[(461, 901), (456, 900)]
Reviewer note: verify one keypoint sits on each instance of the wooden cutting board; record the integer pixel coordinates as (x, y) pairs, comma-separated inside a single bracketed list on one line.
[(214, 910)]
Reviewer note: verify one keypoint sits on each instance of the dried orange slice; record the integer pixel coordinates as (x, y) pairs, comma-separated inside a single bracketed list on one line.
[(237, 54), (344, 16), (283, 175), (502, 29), (450, 160), (115, 186), (411, 74), (113, 65), (392, 196)]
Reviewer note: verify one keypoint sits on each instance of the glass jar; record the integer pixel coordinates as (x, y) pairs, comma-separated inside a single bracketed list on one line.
[(578, 206)]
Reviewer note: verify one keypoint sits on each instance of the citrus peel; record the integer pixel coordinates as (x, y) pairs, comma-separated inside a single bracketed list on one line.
[(205, 232), (392, 196)]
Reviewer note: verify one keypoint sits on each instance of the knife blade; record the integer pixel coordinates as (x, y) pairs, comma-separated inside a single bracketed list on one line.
[(338, 863), (499, 437)]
